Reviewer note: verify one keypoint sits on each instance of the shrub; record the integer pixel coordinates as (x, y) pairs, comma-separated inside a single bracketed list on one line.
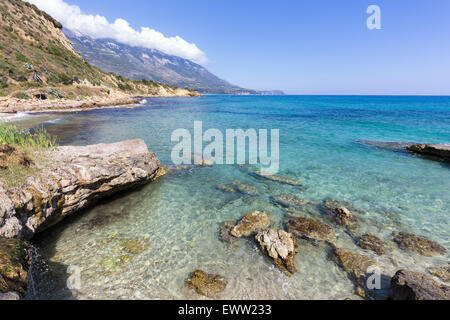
[(21, 57)]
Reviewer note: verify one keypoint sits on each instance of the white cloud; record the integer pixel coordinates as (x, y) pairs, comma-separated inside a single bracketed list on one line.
[(98, 27)]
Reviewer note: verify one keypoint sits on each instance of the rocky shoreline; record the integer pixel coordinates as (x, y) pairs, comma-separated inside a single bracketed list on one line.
[(77, 178)]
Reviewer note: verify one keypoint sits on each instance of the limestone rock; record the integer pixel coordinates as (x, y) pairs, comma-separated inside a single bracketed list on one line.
[(281, 247), (442, 273), (408, 285), (206, 284), (311, 229), (76, 178), (251, 224), (372, 242), (15, 260), (418, 244)]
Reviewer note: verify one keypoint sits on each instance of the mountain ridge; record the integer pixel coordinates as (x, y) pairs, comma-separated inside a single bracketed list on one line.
[(150, 64)]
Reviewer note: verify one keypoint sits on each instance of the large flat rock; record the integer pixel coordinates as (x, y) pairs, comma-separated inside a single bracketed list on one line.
[(76, 178)]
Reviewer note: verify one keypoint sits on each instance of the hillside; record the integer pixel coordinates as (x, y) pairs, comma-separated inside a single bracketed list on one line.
[(140, 63), (37, 60)]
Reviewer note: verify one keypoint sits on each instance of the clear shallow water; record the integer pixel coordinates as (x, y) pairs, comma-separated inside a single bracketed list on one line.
[(179, 216)]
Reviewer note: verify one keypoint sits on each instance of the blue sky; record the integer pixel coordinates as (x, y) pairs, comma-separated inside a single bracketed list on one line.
[(306, 47)]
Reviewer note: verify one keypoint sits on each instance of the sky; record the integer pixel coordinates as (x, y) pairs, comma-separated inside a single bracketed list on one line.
[(301, 47)]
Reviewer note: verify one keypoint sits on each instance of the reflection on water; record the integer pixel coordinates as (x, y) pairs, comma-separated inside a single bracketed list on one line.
[(144, 244)]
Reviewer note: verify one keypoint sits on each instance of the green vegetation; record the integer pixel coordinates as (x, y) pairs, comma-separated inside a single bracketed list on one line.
[(38, 139), (23, 153)]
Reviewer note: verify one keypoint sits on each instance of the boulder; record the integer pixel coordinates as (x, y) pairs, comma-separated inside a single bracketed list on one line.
[(251, 224), (281, 247), (372, 242), (408, 285), (435, 150), (356, 266), (15, 260), (207, 285), (76, 178), (311, 229), (238, 186), (442, 273), (418, 244)]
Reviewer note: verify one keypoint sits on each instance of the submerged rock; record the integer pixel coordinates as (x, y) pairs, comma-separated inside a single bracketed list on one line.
[(442, 273), (418, 244), (135, 245), (311, 229), (356, 266), (76, 178), (206, 284), (238, 186), (281, 247), (372, 242), (251, 224), (225, 231), (15, 260), (408, 285), (279, 179), (287, 200), (435, 150)]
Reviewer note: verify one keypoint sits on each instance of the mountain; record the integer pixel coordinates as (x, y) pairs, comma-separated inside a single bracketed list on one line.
[(140, 63), (36, 55)]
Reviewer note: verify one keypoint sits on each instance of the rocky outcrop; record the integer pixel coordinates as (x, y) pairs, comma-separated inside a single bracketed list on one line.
[(373, 243), (238, 186), (418, 244), (357, 267), (207, 285), (251, 224), (441, 151), (408, 285), (311, 229), (15, 260), (279, 179), (281, 247), (76, 178)]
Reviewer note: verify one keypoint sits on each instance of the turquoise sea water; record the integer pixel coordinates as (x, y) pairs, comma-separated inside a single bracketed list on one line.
[(179, 216)]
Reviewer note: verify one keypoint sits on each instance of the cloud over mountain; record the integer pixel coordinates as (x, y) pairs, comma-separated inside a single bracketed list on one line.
[(98, 27)]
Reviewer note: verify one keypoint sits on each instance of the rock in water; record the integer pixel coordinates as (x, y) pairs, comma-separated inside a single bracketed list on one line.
[(76, 178), (206, 284), (436, 150), (287, 200), (418, 244), (311, 229), (15, 260), (341, 215), (372, 242), (356, 266), (251, 224), (225, 231), (279, 179), (408, 285), (442, 273), (281, 247)]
